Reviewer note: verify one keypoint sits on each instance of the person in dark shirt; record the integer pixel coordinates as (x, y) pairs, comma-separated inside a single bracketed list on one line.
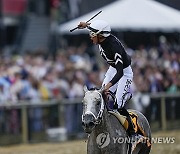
[(119, 76)]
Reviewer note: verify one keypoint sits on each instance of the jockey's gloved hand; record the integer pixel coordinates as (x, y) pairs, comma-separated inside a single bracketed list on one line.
[(106, 92), (106, 88), (83, 25)]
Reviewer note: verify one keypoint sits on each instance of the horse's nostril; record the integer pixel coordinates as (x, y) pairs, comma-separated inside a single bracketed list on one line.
[(88, 124), (88, 121), (83, 123), (91, 124)]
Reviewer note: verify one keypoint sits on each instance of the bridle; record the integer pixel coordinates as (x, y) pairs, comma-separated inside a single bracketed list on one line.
[(97, 118)]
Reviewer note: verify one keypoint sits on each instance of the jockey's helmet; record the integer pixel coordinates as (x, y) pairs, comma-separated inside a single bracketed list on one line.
[(99, 27)]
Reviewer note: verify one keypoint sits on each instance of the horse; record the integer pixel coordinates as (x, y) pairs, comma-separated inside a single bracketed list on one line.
[(105, 133)]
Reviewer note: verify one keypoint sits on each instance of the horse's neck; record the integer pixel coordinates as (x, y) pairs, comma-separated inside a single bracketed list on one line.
[(105, 117), (106, 123)]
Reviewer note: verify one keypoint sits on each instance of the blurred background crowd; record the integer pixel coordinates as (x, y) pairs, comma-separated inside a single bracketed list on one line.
[(34, 77)]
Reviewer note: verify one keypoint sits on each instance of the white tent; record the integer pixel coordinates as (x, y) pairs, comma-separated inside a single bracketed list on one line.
[(135, 15)]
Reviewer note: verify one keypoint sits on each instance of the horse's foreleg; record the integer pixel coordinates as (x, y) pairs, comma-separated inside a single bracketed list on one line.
[(92, 148)]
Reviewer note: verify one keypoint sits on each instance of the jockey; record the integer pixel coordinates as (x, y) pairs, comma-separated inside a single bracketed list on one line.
[(119, 76)]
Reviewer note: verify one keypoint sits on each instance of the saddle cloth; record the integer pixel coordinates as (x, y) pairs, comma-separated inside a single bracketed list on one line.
[(122, 119), (134, 117)]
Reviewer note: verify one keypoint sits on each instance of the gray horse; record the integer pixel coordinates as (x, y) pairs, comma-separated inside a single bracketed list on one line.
[(106, 134)]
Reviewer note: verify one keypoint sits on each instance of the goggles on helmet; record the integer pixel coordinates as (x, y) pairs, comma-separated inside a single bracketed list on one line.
[(92, 34)]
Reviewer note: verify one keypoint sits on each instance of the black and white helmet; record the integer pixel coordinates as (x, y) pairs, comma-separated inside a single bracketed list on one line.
[(99, 27)]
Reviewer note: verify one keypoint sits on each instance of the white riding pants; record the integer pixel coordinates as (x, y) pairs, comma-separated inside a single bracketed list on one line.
[(122, 87)]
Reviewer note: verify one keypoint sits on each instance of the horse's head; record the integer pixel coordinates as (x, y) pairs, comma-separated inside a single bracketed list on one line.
[(93, 107)]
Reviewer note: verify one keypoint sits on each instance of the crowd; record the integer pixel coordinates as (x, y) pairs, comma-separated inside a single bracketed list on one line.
[(31, 77)]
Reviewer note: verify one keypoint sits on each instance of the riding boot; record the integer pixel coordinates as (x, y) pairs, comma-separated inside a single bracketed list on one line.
[(135, 138), (130, 129)]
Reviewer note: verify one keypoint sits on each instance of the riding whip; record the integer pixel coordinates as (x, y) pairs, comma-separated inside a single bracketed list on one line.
[(86, 21)]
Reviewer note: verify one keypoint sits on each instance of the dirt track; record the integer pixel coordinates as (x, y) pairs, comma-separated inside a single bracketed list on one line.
[(79, 147)]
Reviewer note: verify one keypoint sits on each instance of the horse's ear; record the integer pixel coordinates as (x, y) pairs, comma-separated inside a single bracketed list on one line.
[(102, 89), (85, 89)]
